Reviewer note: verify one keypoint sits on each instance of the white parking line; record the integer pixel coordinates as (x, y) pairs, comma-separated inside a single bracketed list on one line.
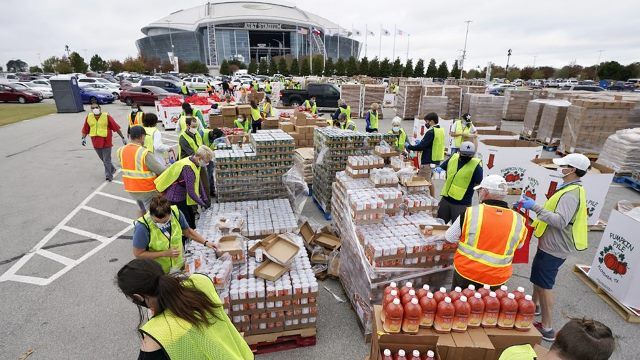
[(108, 214), (131, 201)]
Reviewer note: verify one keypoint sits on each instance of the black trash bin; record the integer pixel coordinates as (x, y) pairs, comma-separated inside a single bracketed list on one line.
[(66, 94)]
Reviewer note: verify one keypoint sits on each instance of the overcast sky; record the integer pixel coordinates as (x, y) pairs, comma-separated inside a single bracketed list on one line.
[(554, 32)]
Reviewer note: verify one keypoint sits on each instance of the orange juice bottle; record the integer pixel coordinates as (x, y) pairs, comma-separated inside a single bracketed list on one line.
[(393, 317), (484, 291), (519, 293), (405, 289), (440, 295), (401, 355), (461, 316), (386, 355), (491, 310), (392, 286), (386, 301), (412, 317), (415, 355), (430, 355), (408, 296), (502, 292), (469, 291), (508, 312), (477, 310), (429, 306), (422, 292), (526, 311), (455, 294), (444, 316)]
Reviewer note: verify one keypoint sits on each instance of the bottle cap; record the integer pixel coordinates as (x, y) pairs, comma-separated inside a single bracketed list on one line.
[(457, 289), (528, 297), (412, 292), (416, 353), (487, 287), (463, 298), (430, 353), (426, 287), (442, 289), (511, 296), (387, 352), (477, 295), (409, 284), (521, 289), (492, 294), (396, 301), (503, 288), (430, 295), (393, 284), (401, 352), (447, 300), (394, 292), (414, 301), (472, 287)]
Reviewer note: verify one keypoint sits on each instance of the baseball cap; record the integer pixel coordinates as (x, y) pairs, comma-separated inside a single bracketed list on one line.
[(467, 148), (493, 183), (578, 161), (136, 131)]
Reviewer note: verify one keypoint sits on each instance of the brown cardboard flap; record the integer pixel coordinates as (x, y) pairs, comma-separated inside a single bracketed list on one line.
[(417, 181), (502, 339), (269, 270), (307, 233), (327, 241), (281, 250), (232, 244), (509, 143), (261, 244)]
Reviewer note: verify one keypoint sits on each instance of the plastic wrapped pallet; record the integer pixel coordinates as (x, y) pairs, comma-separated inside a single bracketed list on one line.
[(408, 101), (465, 82), (304, 158), (352, 94), (590, 122), (454, 101), (486, 109), (372, 94), (532, 117), (620, 151), (515, 104), (466, 90), (436, 104), (552, 121)]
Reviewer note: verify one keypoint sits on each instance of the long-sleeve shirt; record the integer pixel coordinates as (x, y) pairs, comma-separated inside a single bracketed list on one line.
[(178, 191), (98, 141), (337, 113), (475, 180), (557, 239), (157, 167), (367, 119), (425, 145), (159, 148), (185, 148)]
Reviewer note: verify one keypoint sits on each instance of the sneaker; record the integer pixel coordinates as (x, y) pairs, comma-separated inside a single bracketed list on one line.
[(109, 180), (538, 311), (548, 335)]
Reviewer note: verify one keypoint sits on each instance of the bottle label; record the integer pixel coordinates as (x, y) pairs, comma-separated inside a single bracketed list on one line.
[(427, 319), (490, 319)]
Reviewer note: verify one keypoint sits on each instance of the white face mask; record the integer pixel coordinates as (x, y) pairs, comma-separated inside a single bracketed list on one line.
[(395, 129), (134, 110), (96, 111), (202, 163), (163, 225)]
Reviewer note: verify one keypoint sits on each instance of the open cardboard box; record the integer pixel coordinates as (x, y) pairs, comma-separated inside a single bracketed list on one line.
[(232, 244), (323, 238), (260, 244), (417, 181), (269, 270), (280, 250)]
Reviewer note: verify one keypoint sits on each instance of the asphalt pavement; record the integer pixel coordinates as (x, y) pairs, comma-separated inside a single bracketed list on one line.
[(65, 233)]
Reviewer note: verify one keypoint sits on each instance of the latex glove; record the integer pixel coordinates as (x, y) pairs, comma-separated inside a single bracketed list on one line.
[(84, 142), (124, 141), (438, 169), (527, 203)]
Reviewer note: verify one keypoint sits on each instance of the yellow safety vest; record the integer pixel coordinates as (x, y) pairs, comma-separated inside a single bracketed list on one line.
[(243, 125), (137, 120), (172, 174), (255, 114), (267, 88), (402, 138), (182, 340), (373, 119), (267, 110), (346, 111), (184, 90), (458, 181), (437, 147), (457, 141), (519, 352), (193, 144), (206, 141), (158, 241), (579, 226), (313, 108), (348, 125), (148, 140), (100, 126)]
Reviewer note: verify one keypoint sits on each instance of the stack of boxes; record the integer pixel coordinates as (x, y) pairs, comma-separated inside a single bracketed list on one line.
[(466, 91), (229, 114), (515, 104), (352, 94), (552, 122), (372, 94), (454, 99), (300, 126), (532, 118), (486, 109), (304, 160), (408, 101), (436, 104)]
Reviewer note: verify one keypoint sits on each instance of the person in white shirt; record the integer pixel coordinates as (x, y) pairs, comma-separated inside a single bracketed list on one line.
[(154, 142)]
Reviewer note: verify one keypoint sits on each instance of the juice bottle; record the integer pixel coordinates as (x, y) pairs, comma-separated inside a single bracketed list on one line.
[(401, 355), (415, 355), (405, 289), (392, 286), (455, 294), (519, 293), (491, 310), (393, 318), (386, 355), (526, 311), (484, 291), (469, 292), (440, 295), (508, 312), (422, 292), (477, 310), (412, 317), (429, 306), (387, 300), (444, 316), (430, 355), (502, 292), (408, 296), (461, 316)]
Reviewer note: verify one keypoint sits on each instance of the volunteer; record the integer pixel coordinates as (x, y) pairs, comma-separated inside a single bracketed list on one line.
[(343, 108), (561, 227), (180, 183), (190, 139), (254, 85), (371, 118), (242, 122), (215, 109), (267, 108), (487, 235), (100, 126), (464, 171), (225, 87), (159, 234), (188, 320), (187, 111), (310, 105), (153, 139), (135, 116), (267, 87), (462, 130), (184, 90), (139, 169), (209, 88), (432, 147), (243, 94), (213, 138), (342, 123), (256, 117), (396, 129), (579, 339)]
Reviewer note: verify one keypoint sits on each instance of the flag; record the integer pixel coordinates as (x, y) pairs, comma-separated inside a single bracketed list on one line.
[(303, 31), (315, 31), (399, 32), (385, 32)]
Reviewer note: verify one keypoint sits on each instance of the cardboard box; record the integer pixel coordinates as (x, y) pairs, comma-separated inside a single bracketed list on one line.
[(229, 120), (228, 110), (233, 245), (287, 126), (269, 270), (244, 110), (508, 158), (502, 339), (616, 265), (497, 135), (281, 250), (322, 238), (216, 121)]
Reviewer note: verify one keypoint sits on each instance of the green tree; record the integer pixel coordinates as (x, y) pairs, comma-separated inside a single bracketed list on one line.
[(137, 65), (385, 67), (35, 69), (165, 66), (77, 63), (610, 70), (632, 70), (587, 73), (514, 73), (97, 64), (318, 65), (474, 74), (273, 67), (152, 64), (63, 66), (547, 72), (282, 66), (407, 71), (443, 70), (263, 67), (253, 67), (295, 68), (527, 73), (419, 69), (396, 69), (363, 67), (49, 64), (329, 68), (116, 66), (570, 71), (351, 67), (374, 67), (196, 67), (432, 70), (224, 67), (17, 66), (305, 67), (340, 67), (455, 70)]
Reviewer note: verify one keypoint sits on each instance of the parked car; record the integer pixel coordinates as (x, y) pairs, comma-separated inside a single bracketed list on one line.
[(593, 88), (104, 88), (9, 77), (43, 82), (498, 89), (198, 83), (143, 95), (170, 77), (518, 82), (45, 91), (20, 93), (634, 82), (89, 95), (327, 95), (168, 85)]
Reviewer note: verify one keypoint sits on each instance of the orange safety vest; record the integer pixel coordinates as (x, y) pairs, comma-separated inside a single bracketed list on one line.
[(490, 236), (137, 120), (136, 176)]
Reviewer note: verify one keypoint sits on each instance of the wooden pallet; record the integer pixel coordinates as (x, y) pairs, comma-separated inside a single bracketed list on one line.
[(627, 313), (591, 156), (325, 214), (280, 341)]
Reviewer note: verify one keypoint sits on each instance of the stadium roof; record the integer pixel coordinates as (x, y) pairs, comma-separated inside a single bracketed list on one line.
[(229, 11)]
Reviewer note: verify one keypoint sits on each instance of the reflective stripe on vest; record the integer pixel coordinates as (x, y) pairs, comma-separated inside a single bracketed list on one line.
[(458, 181), (490, 236), (519, 352), (137, 120), (457, 141), (158, 241), (373, 119), (579, 226), (100, 126), (194, 145), (148, 140), (402, 138), (242, 125), (172, 173), (346, 111), (255, 114), (136, 176), (437, 147), (182, 340)]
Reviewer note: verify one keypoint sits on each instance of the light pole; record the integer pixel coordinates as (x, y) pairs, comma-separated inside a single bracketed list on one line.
[(598, 63), (506, 69), (534, 61), (464, 51)]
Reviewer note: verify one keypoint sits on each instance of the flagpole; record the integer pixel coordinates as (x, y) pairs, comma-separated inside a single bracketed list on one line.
[(338, 43), (408, 37), (324, 43), (366, 35), (380, 42), (395, 32), (309, 36)]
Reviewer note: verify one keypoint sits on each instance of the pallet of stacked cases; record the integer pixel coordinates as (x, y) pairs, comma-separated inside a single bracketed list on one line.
[(454, 101), (254, 171), (465, 82), (373, 93), (304, 159), (352, 94), (436, 104), (515, 104), (486, 109), (590, 122), (466, 90), (552, 121), (619, 152), (532, 118), (203, 260), (408, 101)]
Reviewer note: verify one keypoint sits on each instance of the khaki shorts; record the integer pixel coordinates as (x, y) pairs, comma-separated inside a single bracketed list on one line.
[(425, 171)]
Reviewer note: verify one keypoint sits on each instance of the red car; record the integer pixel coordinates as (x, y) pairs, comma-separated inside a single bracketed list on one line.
[(143, 95), (19, 93)]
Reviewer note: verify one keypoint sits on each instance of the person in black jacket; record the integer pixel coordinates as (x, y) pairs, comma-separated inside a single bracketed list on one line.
[(426, 145)]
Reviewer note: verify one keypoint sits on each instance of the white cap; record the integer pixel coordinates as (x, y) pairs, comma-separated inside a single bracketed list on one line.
[(447, 300), (472, 287), (487, 287), (430, 295), (578, 161), (478, 295), (442, 289), (504, 288), (463, 298), (394, 292), (401, 352), (393, 284), (492, 294), (409, 284), (412, 292), (426, 287), (496, 184), (416, 353), (520, 289), (457, 289), (414, 301), (396, 301), (430, 353), (467, 148), (511, 296), (387, 352), (528, 297)]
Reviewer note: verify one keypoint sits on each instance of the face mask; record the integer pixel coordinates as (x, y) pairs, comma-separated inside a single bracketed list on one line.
[(134, 110), (202, 163), (395, 129), (96, 111), (162, 225)]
